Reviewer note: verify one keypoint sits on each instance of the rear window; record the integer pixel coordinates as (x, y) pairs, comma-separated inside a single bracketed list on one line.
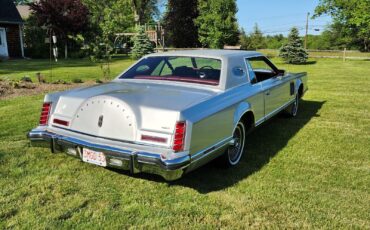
[(182, 69)]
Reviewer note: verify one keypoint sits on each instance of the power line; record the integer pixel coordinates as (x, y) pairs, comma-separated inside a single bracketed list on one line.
[(300, 28), (300, 24), (282, 16), (296, 23)]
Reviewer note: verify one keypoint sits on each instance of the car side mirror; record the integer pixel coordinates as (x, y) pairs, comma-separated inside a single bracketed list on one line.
[(281, 72)]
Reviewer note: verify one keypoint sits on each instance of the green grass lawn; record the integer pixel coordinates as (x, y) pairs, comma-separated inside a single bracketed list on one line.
[(66, 70), (318, 53), (312, 171)]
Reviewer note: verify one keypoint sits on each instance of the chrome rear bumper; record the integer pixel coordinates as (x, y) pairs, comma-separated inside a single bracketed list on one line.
[(134, 161)]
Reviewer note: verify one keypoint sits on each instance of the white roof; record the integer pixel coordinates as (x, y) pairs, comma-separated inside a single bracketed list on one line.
[(208, 53)]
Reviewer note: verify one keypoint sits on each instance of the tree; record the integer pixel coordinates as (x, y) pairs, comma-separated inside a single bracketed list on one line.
[(101, 53), (318, 42), (144, 10), (217, 23), (142, 44), (63, 17), (353, 15), (179, 23), (244, 40), (106, 19), (34, 38), (253, 41), (22, 2), (257, 40), (274, 41), (116, 16), (109, 17), (293, 51), (338, 37), (335, 36)]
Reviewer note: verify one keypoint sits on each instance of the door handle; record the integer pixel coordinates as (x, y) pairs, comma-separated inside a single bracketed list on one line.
[(268, 92)]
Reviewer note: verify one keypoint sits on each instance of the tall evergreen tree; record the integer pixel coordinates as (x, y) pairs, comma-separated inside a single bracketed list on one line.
[(244, 40), (142, 44), (217, 23), (257, 39), (253, 41), (179, 23), (293, 51)]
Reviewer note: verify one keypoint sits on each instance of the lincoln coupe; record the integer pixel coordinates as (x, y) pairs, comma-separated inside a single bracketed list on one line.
[(170, 113)]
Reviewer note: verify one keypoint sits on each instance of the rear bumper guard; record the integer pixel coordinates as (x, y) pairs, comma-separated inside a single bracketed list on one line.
[(134, 161)]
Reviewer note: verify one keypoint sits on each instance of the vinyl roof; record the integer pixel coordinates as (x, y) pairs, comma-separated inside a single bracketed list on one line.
[(209, 53)]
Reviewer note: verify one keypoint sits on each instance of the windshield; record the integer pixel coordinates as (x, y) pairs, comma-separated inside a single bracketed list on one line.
[(182, 69)]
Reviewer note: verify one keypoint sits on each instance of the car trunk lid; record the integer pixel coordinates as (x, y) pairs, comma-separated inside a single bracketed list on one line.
[(120, 110)]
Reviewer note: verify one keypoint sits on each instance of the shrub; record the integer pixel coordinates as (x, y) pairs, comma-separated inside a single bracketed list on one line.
[(22, 85), (5, 88), (293, 52), (27, 85), (142, 44), (77, 80), (60, 82), (26, 79), (101, 52), (34, 38)]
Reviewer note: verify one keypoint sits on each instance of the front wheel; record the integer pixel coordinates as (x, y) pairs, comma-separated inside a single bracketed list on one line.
[(236, 149)]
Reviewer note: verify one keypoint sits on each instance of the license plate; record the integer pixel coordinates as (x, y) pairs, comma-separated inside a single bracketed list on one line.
[(94, 157)]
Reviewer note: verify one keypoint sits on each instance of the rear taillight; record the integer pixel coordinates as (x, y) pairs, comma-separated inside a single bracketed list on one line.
[(179, 138), (45, 112)]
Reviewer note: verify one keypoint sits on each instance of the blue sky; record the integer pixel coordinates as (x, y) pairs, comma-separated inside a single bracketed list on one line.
[(278, 16)]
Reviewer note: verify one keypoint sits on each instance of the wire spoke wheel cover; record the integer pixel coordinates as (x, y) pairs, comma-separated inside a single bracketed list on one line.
[(295, 106), (236, 150)]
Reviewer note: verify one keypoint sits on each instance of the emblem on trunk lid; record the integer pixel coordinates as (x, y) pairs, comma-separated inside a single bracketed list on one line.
[(100, 121)]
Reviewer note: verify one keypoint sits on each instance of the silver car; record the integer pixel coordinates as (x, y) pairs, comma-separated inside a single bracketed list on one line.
[(170, 113)]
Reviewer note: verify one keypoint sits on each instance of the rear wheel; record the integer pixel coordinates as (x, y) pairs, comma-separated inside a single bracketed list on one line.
[(292, 110), (237, 148)]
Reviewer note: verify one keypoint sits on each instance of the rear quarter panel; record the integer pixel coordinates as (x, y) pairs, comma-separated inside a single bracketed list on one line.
[(301, 79), (214, 120)]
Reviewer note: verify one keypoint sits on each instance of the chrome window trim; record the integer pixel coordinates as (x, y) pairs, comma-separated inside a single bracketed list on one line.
[(216, 87), (245, 59)]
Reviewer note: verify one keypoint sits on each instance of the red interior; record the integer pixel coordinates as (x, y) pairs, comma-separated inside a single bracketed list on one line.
[(181, 79)]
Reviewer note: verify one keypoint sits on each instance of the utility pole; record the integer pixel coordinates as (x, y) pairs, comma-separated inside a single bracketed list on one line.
[(305, 38), (50, 53)]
